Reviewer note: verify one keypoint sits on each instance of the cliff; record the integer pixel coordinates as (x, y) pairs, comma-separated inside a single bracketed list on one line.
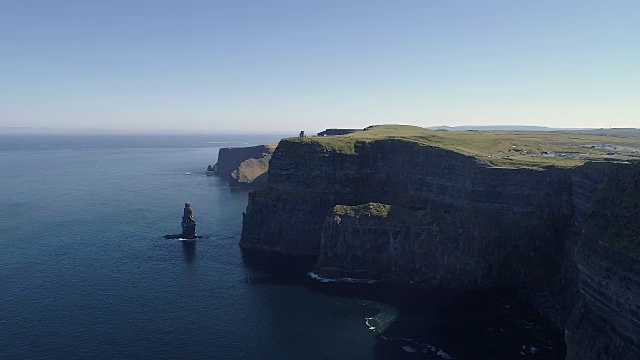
[(605, 323), (244, 166), (468, 211)]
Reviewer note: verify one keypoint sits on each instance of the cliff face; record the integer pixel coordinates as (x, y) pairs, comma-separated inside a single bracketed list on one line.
[(605, 323), (453, 250), (307, 180), (244, 166), (395, 209)]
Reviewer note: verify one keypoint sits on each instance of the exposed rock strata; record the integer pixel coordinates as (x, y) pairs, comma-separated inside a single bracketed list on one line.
[(441, 218), (455, 250), (188, 225), (243, 166), (605, 323)]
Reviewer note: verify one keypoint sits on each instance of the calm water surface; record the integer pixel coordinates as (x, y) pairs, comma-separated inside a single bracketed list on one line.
[(85, 272)]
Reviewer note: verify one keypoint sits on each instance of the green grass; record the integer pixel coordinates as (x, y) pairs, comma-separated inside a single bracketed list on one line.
[(251, 169), (378, 210), (518, 149), (341, 144), (370, 209), (398, 215)]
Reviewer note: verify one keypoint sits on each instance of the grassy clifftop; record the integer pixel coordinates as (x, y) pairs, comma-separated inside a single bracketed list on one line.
[(377, 210), (526, 149)]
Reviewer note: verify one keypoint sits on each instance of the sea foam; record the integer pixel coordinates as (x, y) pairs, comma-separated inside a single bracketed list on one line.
[(340, 280)]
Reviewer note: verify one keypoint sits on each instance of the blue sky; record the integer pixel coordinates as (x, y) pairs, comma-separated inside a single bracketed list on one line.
[(289, 65)]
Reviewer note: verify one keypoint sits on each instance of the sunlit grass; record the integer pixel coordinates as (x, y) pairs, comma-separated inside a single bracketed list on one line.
[(519, 149)]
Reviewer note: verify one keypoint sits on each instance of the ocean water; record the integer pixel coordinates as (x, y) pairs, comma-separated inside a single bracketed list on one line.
[(86, 274)]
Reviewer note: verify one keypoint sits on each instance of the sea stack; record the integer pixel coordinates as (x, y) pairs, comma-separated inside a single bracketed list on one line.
[(188, 225)]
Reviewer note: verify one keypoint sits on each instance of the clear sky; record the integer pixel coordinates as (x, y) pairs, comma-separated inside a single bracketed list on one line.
[(290, 65)]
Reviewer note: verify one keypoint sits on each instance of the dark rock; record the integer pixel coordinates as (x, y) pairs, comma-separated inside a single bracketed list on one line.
[(188, 225), (188, 222)]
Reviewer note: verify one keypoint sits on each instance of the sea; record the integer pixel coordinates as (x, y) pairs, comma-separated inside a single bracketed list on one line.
[(85, 272)]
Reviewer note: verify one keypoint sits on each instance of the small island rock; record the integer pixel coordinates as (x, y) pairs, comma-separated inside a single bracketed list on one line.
[(188, 225)]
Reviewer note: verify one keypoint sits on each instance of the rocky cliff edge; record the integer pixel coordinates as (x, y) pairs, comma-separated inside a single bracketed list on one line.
[(467, 213)]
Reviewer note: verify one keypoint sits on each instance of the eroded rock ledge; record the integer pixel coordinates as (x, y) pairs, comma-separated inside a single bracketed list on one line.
[(400, 210)]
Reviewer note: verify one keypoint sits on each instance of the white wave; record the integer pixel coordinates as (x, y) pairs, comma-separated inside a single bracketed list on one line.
[(385, 316), (366, 321), (340, 280), (426, 348), (409, 349)]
